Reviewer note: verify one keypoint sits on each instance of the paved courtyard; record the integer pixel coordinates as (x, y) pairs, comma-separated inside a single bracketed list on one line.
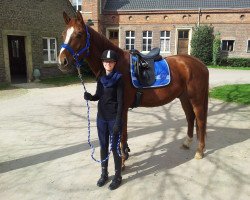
[(44, 152)]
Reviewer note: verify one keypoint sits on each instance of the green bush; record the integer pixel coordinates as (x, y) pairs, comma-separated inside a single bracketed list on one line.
[(235, 62), (216, 49), (202, 43)]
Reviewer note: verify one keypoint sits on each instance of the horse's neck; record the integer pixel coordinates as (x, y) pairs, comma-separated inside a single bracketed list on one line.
[(98, 44)]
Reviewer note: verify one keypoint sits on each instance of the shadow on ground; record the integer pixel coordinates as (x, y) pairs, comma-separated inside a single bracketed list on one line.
[(155, 163)]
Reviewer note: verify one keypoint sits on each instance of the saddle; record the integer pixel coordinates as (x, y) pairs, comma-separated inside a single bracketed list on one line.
[(144, 65)]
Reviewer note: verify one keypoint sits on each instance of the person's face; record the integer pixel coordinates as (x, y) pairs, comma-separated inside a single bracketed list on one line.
[(108, 65)]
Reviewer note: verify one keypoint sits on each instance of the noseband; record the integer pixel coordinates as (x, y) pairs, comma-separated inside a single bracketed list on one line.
[(76, 55)]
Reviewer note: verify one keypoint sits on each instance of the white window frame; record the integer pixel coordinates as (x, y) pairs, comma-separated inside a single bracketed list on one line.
[(248, 46), (49, 49), (76, 3), (165, 38), (130, 40), (227, 45), (147, 39)]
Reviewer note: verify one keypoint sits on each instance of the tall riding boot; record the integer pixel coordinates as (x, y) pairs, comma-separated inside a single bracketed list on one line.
[(117, 180), (104, 176)]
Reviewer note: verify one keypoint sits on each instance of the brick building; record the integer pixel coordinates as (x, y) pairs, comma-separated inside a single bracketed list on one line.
[(144, 24), (30, 31), (30, 36)]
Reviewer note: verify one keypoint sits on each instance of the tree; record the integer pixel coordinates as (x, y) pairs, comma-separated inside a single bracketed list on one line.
[(216, 49), (202, 43)]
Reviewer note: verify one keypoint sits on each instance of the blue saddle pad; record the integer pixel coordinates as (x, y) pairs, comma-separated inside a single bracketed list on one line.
[(162, 74)]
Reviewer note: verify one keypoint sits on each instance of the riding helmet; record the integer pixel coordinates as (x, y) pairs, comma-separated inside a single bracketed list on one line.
[(109, 55)]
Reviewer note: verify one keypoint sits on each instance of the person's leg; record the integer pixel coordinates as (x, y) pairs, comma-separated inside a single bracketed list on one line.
[(116, 182), (103, 135)]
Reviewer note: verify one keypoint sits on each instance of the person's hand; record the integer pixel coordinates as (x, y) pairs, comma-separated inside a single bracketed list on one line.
[(116, 129), (87, 96)]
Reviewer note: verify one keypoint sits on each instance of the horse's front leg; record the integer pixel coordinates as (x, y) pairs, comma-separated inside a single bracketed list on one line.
[(124, 145)]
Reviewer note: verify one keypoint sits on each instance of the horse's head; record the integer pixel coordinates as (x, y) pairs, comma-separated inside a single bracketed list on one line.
[(75, 42)]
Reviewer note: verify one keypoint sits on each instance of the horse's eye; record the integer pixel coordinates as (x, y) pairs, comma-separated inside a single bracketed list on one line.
[(79, 35)]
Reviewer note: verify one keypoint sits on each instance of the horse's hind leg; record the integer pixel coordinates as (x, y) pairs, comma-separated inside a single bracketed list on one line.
[(201, 131), (190, 116), (200, 110)]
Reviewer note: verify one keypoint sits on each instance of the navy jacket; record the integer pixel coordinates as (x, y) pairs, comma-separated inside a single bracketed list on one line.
[(110, 98)]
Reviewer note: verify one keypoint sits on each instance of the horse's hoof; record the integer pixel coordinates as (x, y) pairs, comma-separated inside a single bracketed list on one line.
[(123, 167), (187, 143), (198, 155), (126, 156)]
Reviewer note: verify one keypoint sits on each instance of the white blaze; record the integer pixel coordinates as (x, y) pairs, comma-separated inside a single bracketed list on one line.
[(70, 31)]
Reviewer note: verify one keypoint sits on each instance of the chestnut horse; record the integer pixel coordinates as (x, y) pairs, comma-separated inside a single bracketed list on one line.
[(189, 79)]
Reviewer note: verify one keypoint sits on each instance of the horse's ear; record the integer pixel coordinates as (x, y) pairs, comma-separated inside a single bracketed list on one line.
[(79, 16), (66, 17)]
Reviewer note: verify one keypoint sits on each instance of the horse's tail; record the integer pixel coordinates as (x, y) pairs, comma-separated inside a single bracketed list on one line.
[(205, 104)]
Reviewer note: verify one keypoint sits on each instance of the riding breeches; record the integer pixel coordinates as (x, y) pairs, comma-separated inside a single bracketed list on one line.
[(105, 129)]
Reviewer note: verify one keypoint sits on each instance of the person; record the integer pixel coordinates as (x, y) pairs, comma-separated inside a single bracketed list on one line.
[(109, 94)]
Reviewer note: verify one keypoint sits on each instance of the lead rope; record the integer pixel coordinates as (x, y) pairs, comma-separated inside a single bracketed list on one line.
[(88, 117)]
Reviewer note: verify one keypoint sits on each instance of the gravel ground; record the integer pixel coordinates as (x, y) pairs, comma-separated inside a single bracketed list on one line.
[(44, 152)]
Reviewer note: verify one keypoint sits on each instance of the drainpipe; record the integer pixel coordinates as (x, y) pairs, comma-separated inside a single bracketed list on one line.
[(199, 14)]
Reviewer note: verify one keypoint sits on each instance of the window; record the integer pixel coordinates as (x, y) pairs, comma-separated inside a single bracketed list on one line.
[(49, 50), (146, 40), (165, 41), (183, 34), (113, 34), (130, 40), (227, 45), (77, 4), (248, 46)]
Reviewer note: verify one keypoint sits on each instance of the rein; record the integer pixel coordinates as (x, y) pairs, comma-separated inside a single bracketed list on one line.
[(78, 65)]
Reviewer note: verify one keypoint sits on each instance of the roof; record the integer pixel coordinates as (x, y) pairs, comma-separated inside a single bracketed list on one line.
[(142, 5)]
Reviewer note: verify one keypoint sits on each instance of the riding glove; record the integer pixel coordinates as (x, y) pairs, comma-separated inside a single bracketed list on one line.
[(87, 96)]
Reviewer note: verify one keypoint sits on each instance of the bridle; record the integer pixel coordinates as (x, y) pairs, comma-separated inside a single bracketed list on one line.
[(76, 55)]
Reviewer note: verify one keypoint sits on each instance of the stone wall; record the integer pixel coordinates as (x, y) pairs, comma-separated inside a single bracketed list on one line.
[(41, 19)]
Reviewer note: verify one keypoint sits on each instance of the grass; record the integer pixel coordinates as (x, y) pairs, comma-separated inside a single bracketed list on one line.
[(66, 80), (6, 86), (239, 93), (228, 67)]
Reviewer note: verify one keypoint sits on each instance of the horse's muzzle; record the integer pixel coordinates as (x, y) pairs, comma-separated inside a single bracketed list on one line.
[(63, 64)]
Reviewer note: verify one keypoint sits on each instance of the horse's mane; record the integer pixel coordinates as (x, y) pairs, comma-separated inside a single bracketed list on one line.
[(98, 44), (102, 42)]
